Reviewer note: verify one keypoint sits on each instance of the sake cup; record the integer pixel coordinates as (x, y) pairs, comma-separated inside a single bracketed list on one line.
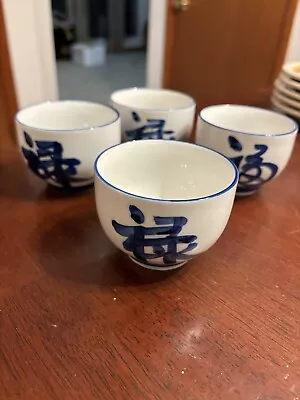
[(258, 141), (154, 113), (60, 140), (163, 202)]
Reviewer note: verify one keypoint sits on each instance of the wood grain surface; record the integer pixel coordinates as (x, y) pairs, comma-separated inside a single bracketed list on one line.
[(79, 321)]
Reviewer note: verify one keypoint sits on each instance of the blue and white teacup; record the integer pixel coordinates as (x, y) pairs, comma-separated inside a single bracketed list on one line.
[(258, 141), (163, 202), (60, 140), (154, 113)]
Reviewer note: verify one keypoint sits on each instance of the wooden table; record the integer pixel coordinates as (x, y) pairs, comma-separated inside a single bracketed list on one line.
[(80, 321)]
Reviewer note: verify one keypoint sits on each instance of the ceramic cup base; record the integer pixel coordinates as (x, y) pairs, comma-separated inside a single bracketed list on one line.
[(157, 268), (244, 194), (82, 185)]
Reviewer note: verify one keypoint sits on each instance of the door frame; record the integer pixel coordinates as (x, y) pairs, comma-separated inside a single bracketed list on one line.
[(30, 42), (8, 99), (155, 65)]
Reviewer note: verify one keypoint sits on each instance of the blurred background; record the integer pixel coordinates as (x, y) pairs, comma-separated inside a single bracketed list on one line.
[(100, 46), (217, 51)]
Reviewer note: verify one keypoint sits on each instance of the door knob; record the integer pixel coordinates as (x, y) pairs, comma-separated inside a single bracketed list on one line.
[(181, 5)]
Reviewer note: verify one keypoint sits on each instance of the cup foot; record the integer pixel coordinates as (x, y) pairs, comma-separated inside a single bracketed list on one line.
[(243, 194), (157, 267), (86, 185)]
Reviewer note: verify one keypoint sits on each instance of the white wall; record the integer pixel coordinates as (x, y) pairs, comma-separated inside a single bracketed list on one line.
[(293, 53), (156, 43), (30, 41)]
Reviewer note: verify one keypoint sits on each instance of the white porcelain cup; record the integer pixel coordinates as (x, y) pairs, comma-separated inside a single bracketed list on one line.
[(258, 141), (154, 113), (60, 140), (163, 202)]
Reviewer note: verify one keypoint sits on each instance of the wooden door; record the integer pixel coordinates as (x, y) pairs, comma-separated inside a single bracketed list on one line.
[(227, 51), (8, 102)]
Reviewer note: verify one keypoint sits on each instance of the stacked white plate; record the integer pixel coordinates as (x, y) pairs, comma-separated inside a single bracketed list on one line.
[(286, 93)]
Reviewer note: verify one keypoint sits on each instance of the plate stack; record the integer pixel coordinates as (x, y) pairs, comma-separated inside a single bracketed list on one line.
[(286, 93)]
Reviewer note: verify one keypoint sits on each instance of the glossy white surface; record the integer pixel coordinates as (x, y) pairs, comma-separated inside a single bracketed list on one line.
[(287, 91), (66, 115), (164, 170), (282, 98), (83, 129), (283, 108), (292, 70), (176, 109), (289, 81), (251, 120), (180, 172), (152, 99)]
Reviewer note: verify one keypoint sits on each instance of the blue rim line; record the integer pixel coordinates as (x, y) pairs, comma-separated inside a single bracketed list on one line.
[(167, 109), (90, 128), (296, 127), (233, 183)]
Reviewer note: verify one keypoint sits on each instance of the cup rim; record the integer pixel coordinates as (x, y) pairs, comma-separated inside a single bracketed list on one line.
[(90, 128), (288, 69), (289, 81), (294, 130), (169, 109), (284, 108), (191, 200), (284, 90)]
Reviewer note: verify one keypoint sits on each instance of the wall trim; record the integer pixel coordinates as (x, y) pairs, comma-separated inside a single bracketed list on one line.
[(156, 43), (31, 48)]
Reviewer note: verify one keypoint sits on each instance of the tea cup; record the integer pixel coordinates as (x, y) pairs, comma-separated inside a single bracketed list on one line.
[(258, 141), (60, 140), (163, 202), (154, 113)]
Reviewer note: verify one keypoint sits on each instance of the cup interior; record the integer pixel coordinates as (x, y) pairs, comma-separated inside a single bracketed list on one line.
[(166, 170), (154, 99), (249, 120), (67, 115)]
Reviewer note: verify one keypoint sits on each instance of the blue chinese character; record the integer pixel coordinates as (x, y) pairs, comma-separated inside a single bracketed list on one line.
[(153, 129), (163, 239), (251, 171), (45, 159)]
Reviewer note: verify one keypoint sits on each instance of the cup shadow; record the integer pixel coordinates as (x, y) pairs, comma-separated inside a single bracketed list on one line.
[(77, 249), (27, 187), (249, 197)]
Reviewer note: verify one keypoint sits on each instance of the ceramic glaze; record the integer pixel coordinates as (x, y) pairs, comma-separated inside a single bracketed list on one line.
[(163, 202), (61, 140), (292, 70), (258, 141), (154, 113)]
